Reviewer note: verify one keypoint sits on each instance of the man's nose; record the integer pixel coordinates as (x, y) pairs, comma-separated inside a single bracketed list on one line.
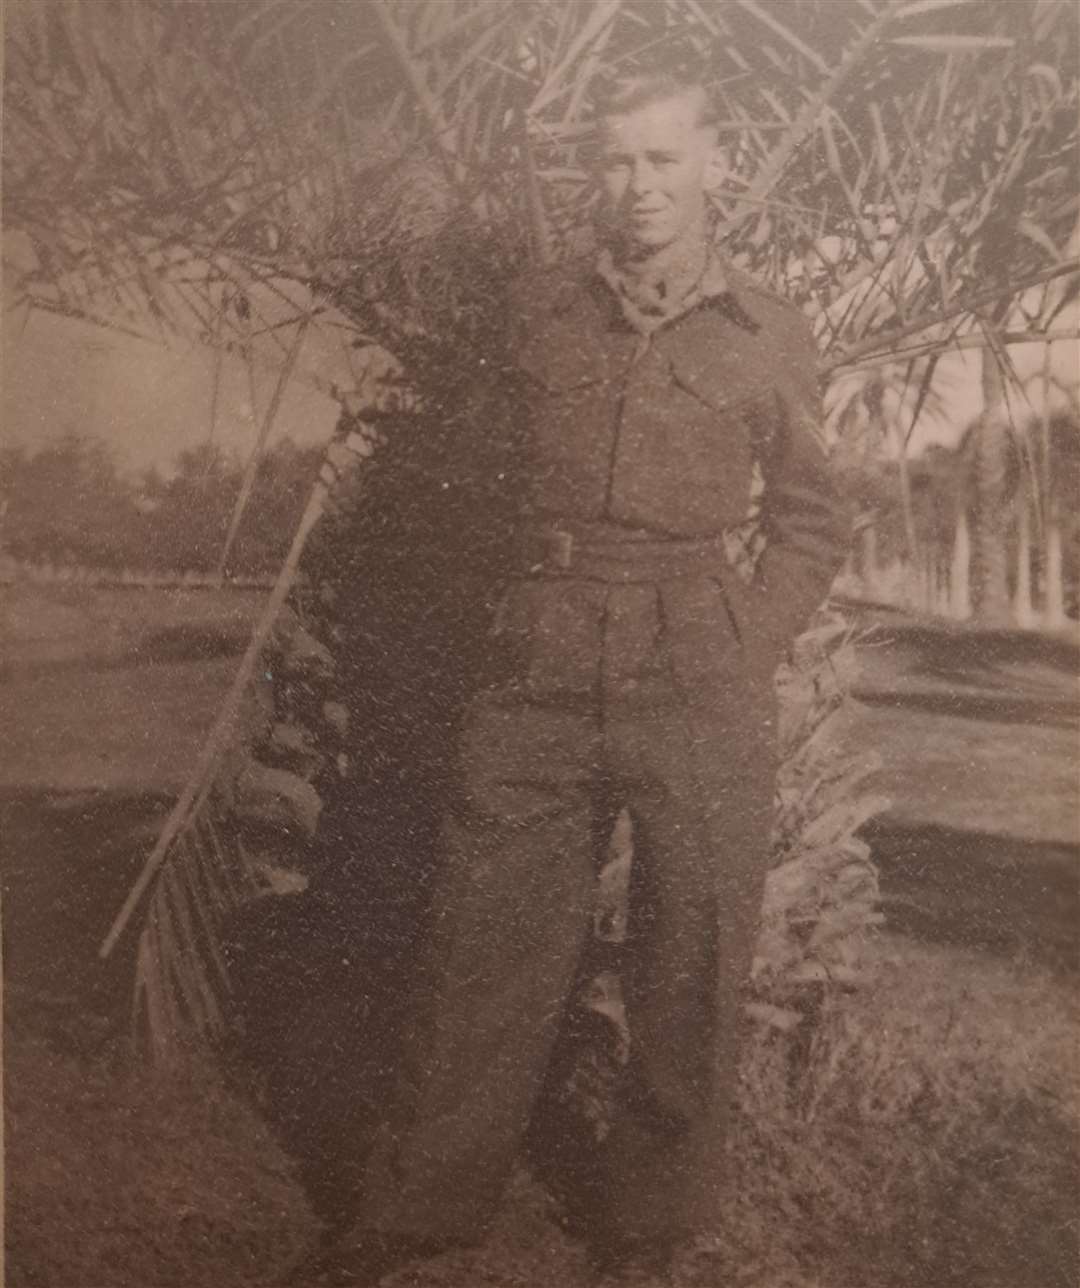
[(642, 177)]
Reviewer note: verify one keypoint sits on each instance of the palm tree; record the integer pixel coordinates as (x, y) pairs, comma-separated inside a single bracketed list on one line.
[(1043, 470), (874, 412), (185, 165), (272, 176), (991, 447), (1033, 476)]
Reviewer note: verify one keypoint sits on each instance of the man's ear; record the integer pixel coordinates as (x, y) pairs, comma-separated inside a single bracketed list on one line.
[(717, 168)]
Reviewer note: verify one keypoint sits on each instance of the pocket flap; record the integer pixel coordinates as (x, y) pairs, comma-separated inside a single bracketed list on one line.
[(718, 384)]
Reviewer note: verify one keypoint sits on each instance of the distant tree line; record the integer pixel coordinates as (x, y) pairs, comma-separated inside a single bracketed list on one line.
[(69, 503)]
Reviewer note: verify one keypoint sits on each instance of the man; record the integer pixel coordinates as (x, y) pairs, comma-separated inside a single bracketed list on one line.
[(660, 399)]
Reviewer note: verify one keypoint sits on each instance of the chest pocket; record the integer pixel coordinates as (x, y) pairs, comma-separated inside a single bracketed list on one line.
[(685, 462), (745, 406), (571, 396)]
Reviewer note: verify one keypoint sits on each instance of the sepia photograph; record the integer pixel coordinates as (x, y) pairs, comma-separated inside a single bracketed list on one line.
[(540, 616)]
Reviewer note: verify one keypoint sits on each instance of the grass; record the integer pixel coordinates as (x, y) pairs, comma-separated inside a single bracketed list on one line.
[(136, 729), (116, 1180), (927, 1135), (113, 690), (97, 625), (990, 776)]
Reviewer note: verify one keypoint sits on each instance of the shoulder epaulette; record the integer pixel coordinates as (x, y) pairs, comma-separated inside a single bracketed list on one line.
[(768, 306)]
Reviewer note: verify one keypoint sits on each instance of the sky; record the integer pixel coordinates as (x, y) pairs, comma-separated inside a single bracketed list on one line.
[(147, 401)]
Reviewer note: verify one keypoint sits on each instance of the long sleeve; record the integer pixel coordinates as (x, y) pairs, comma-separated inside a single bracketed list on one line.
[(805, 523)]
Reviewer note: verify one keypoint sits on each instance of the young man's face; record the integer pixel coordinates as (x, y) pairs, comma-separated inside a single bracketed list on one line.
[(654, 163)]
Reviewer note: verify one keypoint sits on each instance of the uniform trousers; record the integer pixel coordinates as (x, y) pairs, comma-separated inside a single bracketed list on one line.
[(665, 711)]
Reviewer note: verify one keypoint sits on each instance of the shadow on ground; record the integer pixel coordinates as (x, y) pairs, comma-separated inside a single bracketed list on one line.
[(944, 885), (69, 860), (970, 672)]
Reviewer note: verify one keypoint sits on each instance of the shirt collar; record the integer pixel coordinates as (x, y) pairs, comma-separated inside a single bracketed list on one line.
[(713, 287)]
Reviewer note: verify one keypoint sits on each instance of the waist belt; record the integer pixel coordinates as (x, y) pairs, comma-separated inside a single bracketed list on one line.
[(605, 552)]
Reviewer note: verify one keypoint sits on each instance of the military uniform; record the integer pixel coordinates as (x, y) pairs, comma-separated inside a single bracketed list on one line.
[(631, 665)]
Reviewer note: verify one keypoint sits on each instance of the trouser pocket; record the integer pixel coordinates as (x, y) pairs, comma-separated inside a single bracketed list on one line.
[(747, 612), (702, 635)]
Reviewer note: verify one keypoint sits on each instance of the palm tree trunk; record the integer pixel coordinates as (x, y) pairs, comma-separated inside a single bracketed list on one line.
[(991, 453), (941, 569), (1052, 566), (912, 592), (1023, 608), (911, 539), (926, 581), (868, 561), (960, 575), (1054, 610)]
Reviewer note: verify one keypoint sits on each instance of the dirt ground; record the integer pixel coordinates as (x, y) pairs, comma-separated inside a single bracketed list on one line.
[(926, 1134)]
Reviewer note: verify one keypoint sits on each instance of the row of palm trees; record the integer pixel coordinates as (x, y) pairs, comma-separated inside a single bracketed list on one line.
[(1034, 523)]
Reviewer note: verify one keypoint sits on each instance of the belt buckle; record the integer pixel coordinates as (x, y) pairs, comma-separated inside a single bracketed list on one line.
[(562, 548)]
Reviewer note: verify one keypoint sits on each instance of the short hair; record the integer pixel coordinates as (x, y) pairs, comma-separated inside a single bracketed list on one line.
[(661, 69)]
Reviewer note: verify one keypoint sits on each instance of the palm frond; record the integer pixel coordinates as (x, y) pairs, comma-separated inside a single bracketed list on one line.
[(199, 871), (927, 149), (248, 479)]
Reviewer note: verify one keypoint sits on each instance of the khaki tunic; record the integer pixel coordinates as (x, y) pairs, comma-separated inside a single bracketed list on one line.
[(630, 666)]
